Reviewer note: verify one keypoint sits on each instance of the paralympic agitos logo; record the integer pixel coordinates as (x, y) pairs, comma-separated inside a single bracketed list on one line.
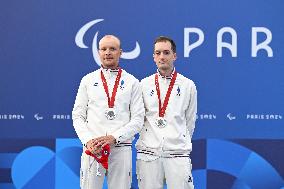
[(79, 40), (189, 45)]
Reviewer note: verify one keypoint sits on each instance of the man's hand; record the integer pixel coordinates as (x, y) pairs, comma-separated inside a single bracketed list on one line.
[(104, 140), (92, 148)]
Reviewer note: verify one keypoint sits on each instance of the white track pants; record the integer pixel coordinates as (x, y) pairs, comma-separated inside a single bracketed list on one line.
[(176, 172), (119, 174)]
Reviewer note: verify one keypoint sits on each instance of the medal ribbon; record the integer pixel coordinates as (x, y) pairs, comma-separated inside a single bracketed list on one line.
[(162, 109), (112, 98)]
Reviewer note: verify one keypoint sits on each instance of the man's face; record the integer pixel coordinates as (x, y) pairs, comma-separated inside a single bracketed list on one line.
[(109, 51), (164, 55)]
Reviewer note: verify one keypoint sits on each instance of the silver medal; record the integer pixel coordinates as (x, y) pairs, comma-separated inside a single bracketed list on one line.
[(161, 122), (110, 114)]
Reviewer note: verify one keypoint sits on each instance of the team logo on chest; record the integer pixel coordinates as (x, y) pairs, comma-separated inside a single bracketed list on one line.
[(122, 85), (189, 179), (152, 92), (178, 91)]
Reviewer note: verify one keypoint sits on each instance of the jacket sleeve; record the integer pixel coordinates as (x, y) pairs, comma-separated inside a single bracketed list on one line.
[(79, 113), (137, 114), (191, 110)]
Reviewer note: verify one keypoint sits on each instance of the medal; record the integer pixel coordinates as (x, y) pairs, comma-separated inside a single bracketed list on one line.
[(110, 112), (161, 121)]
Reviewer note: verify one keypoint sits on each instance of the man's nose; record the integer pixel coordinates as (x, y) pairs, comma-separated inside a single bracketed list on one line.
[(162, 55), (108, 51)]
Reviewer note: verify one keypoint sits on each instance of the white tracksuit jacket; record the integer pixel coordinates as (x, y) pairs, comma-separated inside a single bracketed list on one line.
[(175, 139), (91, 102)]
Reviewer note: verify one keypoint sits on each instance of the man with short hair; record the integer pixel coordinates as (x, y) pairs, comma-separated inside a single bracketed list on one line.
[(164, 144), (108, 111)]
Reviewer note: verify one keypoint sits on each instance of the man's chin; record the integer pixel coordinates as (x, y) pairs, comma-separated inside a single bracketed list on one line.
[(164, 67), (109, 64)]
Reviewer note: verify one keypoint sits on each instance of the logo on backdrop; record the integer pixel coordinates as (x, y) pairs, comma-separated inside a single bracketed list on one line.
[(80, 43), (38, 117), (230, 116), (256, 45)]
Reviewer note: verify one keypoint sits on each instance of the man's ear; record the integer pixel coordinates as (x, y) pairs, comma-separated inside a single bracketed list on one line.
[(175, 56)]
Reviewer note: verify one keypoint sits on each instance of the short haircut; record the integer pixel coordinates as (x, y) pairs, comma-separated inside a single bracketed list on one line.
[(165, 39)]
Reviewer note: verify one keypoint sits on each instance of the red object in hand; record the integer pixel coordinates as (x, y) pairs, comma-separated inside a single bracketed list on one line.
[(103, 159)]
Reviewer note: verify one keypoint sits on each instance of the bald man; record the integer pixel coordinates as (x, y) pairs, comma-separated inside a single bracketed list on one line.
[(108, 110)]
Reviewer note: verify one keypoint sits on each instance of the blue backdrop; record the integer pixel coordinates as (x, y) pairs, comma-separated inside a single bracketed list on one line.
[(233, 50)]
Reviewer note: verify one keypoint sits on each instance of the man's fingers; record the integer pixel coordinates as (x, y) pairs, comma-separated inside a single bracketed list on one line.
[(103, 141), (99, 144)]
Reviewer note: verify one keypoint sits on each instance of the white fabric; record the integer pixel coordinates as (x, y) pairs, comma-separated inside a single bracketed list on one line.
[(91, 102), (119, 174), (175, 139), (90, 122), (175, 171), (163, 153)]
